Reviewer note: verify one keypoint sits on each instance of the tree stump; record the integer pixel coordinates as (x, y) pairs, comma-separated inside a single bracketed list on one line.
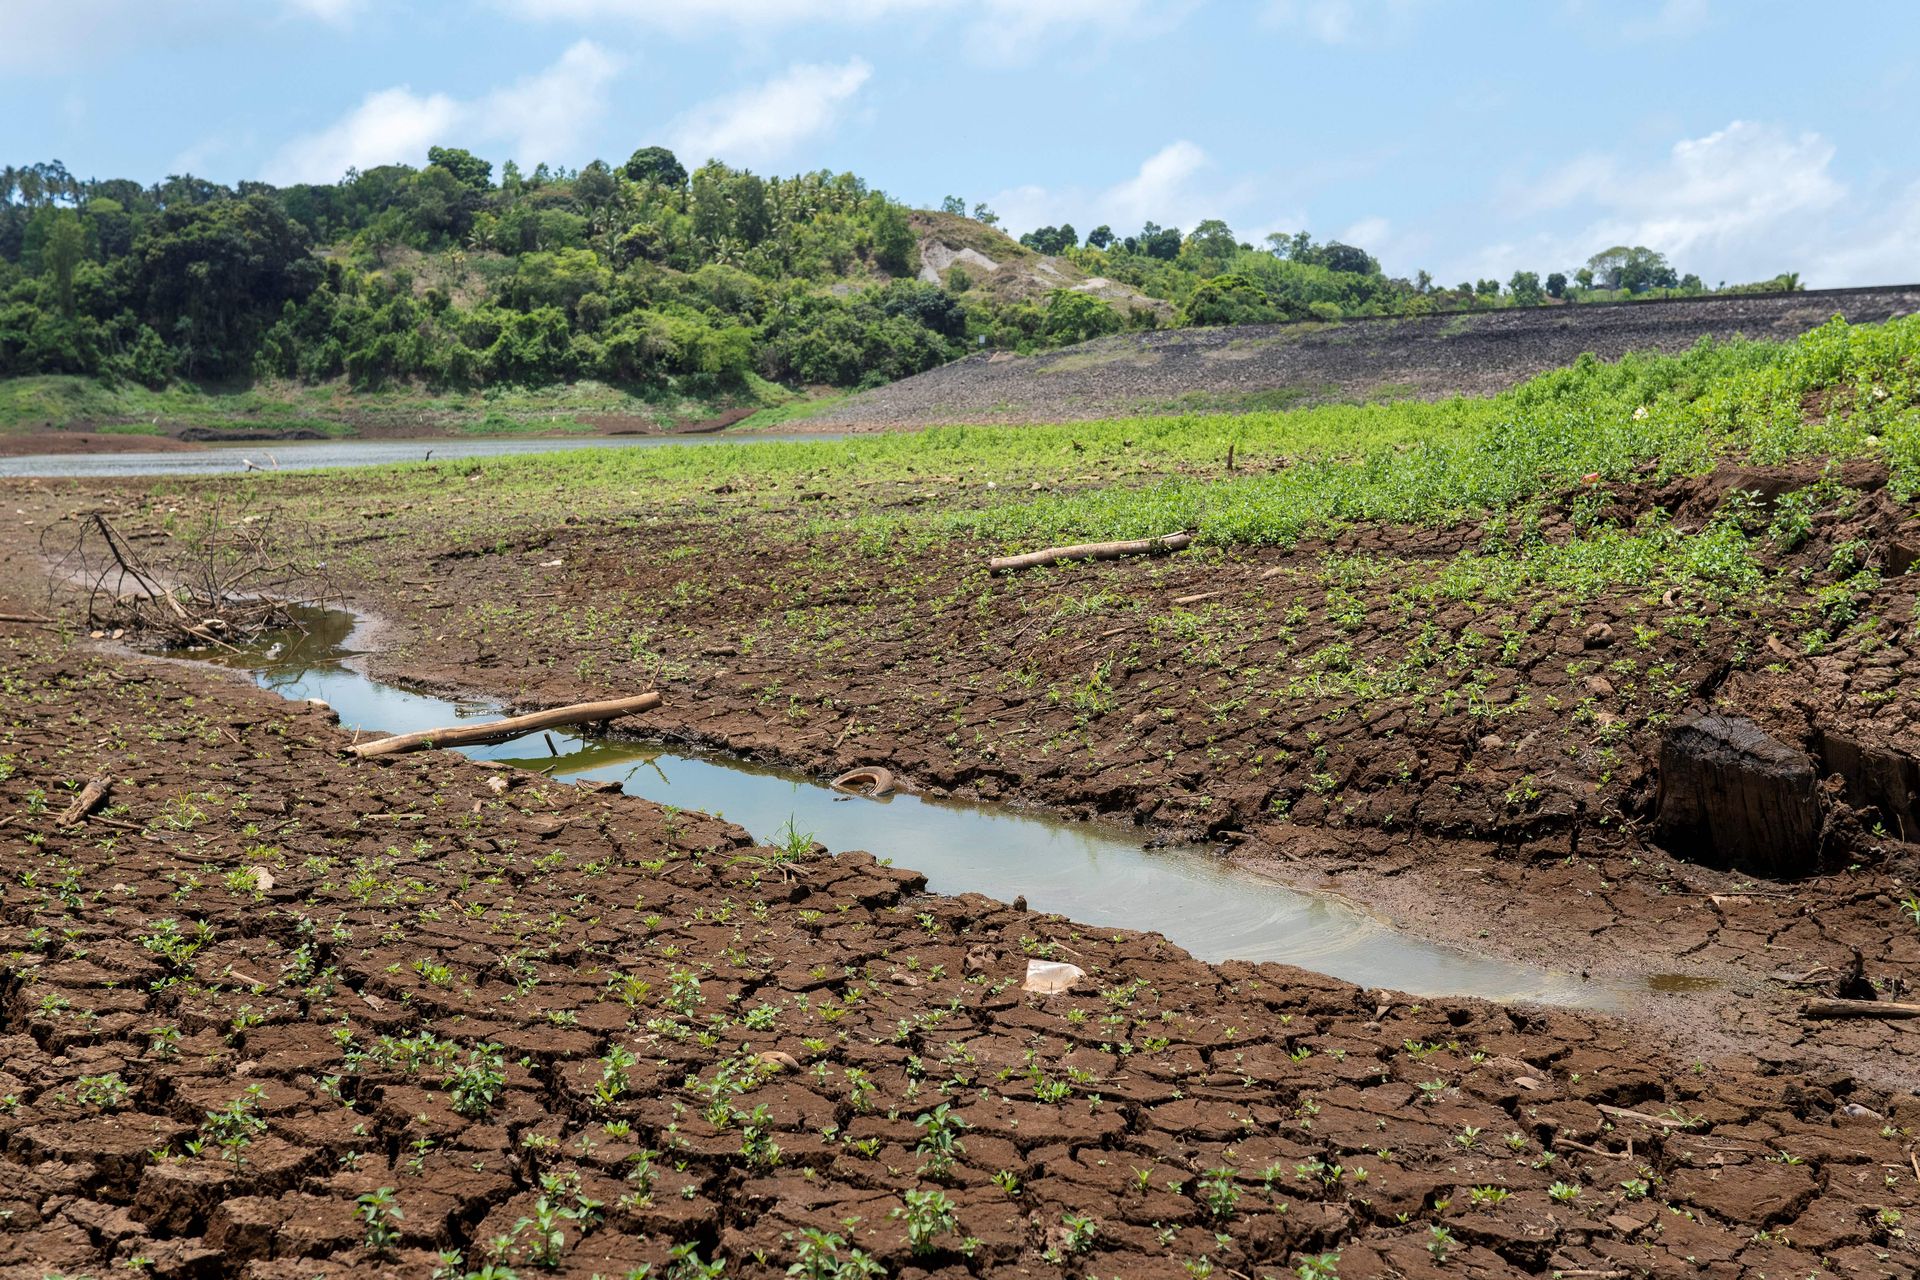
[(1877, 777), (1732, 796)]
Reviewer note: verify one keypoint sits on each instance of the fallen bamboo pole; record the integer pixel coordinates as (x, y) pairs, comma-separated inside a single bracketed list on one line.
[(1092, 551), (467, 735), (1860, 1009)]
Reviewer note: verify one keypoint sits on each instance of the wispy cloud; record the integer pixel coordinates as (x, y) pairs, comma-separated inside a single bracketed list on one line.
[(339, 13), (52, 38), (537, 118), (1340, 21), (1175, 186), (996, 32), (764, 123), (694, 16), (1740, 202)]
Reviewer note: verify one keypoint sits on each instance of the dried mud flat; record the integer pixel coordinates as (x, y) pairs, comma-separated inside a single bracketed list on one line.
[(1486, 776), (1279, 366), (539, 1008)]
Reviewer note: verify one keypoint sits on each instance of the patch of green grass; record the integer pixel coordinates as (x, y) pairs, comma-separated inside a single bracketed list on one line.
[(1298, 472), (798, 409), (68, 403)]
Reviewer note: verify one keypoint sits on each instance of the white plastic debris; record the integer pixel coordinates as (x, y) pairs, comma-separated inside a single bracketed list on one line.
[(1051, 977), (262, 879)]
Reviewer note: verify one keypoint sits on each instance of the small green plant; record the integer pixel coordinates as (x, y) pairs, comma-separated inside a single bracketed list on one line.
[(818, 1258), (236, 1125), (928, 1215), (1221, 1194), (475, 1086), (108, 1092), (940, 1143), (380, 1211)]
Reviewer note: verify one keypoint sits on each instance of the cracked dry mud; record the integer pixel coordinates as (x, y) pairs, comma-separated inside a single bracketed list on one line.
[(771, 1029), (1481, 768)]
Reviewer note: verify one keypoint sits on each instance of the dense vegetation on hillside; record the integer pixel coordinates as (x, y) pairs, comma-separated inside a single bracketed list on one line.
[(643, 276), (1217, 279)]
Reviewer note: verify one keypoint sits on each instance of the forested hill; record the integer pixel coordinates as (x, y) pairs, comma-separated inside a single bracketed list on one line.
[(642, 276)]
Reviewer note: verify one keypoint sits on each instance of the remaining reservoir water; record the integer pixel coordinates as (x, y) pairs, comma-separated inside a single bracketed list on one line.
[(1089, 872), (300, 455)]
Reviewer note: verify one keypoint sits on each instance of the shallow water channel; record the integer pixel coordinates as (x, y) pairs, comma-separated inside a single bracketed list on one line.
[(1088, 871), (300, 455)]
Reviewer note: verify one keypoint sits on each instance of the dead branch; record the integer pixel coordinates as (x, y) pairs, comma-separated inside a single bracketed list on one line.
[(1092, 551), (90, 795), (1860, 1009), (218, 581), (512, 727)]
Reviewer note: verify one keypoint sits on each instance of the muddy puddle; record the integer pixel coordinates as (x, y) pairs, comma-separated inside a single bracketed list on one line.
[(1087, 871)]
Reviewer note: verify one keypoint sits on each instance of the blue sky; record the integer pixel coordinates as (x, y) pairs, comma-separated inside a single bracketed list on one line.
[(1741, 137)]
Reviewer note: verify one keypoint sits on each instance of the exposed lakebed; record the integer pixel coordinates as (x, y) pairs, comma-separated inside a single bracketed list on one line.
[(1086, 871)]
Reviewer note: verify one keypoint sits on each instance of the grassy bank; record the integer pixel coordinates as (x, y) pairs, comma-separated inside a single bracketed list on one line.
[(1840, 392), (60, 403)]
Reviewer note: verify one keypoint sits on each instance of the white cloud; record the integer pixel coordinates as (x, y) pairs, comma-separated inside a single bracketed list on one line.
[(687, 16), (1368, 233), (1328, 21), (1884, 248), (1162, 189), (1171, 187), (52, 37), (1014, 32), (1340, 21), (537, 118), (761, 124), (338, 13), (1742, 202), (544, 116), (999, 32), (390, 126), (1673, 20)]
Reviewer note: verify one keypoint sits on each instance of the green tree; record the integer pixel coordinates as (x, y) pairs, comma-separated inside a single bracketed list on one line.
[(895, 248), (1525, 288), (1347, 258), (65, 247), (1160, 242), (658, 166), (1634, 269), (150, 361), (1556, 284), (1212, 243), (468, 170), (1073, 316)]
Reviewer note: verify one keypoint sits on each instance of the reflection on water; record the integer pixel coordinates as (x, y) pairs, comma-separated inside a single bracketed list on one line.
[(1086, 871), (1681, 983), (299, 455)]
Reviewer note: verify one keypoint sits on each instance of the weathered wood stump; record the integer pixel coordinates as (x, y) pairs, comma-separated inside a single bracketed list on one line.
[(1877, 777), (1732, 796)]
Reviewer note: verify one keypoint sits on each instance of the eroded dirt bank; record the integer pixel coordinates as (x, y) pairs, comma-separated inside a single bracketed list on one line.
[(1277, 366), (567, 1028)]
